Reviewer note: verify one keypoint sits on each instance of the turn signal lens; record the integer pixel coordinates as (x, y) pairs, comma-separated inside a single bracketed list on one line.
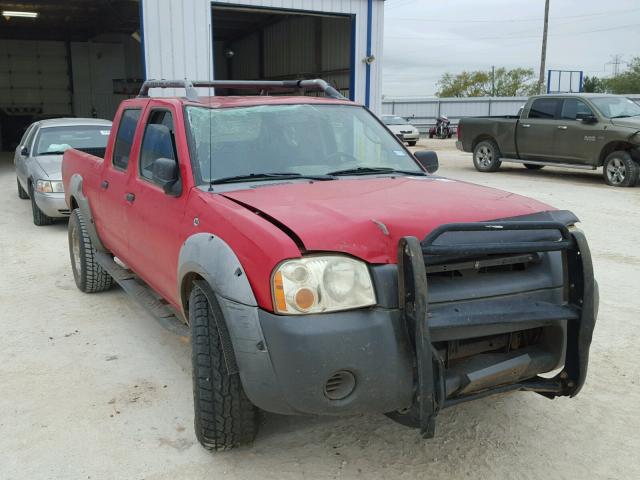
[(278, 293)]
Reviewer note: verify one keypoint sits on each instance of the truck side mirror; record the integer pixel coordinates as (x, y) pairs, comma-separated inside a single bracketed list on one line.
[(586, 117), (166, 173), (428, 159), (24, 152)]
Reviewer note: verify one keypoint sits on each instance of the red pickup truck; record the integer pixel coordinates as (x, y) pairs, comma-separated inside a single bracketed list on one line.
[(319, 266)]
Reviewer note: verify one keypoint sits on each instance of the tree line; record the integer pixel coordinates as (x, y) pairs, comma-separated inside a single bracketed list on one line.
[(517, 82)]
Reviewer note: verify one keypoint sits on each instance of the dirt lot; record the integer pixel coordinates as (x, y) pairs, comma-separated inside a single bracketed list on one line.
[(92, 387)]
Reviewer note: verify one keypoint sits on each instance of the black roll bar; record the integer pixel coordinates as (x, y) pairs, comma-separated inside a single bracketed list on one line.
[(263, 85)]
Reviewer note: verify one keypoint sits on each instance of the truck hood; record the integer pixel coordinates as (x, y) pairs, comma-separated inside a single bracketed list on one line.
[(51, 165), (366, 217)]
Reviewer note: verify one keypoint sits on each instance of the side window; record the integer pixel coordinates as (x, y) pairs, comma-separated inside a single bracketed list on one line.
[(158, 141), (544, 108), (124, 138), (571, 107), (28, 141)]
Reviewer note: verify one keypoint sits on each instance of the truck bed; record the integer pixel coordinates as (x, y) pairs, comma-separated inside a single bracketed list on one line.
[(500, 128)]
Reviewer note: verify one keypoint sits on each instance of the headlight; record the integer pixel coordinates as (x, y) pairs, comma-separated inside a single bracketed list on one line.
[(47, 186), (321, 284)]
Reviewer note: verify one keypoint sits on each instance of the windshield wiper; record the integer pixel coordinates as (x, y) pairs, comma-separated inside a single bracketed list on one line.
[(256, 177), (373, 171), (40, 154), (621, 116)]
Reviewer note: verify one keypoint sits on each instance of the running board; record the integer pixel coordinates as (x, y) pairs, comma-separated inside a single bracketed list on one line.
[(549, 164), (143, 294)]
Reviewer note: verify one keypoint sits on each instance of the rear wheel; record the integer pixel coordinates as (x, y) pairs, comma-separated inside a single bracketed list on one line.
[(224, 416), (532, 166), (620, 170), (22, 193), (39, 217), (90, 277), (486, 156)]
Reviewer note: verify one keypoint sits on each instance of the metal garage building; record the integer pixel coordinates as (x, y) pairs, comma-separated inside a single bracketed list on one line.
[(82, 57)]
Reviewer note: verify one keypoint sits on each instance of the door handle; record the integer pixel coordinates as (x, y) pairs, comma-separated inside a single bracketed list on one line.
[(130, 197), (562, 127), (104, 185), (525, 125)]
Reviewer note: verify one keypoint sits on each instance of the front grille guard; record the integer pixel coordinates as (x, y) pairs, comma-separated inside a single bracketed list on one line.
[(413, 287)]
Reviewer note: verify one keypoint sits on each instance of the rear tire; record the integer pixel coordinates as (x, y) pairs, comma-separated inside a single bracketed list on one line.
[(21, 191), (224, 416), (412, 144), (90, 277), (620, 170), (39, 217), (486, 156), (532, 166)]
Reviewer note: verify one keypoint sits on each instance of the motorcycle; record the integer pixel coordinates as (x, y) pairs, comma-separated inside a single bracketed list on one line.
[(442, 129)]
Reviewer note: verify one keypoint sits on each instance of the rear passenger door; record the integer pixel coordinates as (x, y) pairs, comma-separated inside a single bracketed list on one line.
[(577, 141), (111, 208), (155, 217), (536, 133)]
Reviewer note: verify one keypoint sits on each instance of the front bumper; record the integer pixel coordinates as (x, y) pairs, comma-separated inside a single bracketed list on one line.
[(398, 352), (52, 204)]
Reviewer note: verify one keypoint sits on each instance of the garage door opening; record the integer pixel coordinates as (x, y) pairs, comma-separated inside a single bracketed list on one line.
[(76, 58), (274, 44)]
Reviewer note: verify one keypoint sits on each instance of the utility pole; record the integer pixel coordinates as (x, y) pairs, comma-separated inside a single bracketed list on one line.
[(493, 80), (616, 61), (543, 57)]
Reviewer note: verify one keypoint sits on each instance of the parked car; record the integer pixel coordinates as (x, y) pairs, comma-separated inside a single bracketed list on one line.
[(578, 131), (319, 265), (442, 129), (402, 129), (38, 160)]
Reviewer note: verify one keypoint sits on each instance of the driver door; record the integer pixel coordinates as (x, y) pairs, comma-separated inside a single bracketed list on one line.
[(576, 141)]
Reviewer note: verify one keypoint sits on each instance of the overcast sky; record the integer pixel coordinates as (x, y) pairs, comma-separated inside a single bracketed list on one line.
[(425, 38)]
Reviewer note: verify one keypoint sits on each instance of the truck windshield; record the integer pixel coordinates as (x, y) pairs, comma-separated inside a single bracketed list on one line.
[(616, 107), (306, 140), (55, 140)]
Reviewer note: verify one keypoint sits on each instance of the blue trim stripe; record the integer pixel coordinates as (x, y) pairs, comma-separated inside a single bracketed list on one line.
[(352, 73), (367, 88)]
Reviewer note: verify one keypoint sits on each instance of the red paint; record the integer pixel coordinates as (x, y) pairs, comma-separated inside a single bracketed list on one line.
[(347, 215)]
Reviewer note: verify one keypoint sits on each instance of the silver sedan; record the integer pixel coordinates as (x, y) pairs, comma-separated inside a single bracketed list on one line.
[(38, 161)]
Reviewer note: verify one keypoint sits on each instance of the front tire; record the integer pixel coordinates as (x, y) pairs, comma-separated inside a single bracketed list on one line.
[(90, 277), (620, 170), (39, 217), (532, 166), (22, 193), (486, 156), (224, 416), (412, 143)]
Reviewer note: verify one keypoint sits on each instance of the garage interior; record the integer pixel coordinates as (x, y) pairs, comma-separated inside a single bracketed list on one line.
[(274, 44), (75, 58)]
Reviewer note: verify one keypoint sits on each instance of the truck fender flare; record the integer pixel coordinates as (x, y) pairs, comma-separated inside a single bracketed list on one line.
[(75, 192), (205, 256), (210, 257)]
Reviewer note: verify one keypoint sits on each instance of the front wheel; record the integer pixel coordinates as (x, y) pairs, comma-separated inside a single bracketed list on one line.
[(224, 416), (486, 156), (620, 170), (22, 193), (39, 217), (89, 275)]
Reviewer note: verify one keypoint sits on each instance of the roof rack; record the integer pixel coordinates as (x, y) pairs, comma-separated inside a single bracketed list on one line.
[(263, 85)]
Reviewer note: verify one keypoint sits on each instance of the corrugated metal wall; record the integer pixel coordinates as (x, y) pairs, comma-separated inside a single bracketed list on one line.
[(178, 42), (424, 111)]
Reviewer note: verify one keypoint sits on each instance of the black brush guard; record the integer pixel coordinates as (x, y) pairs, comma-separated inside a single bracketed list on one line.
[(580, 311)]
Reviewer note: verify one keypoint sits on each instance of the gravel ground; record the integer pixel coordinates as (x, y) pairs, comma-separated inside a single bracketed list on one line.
[(92, 387)]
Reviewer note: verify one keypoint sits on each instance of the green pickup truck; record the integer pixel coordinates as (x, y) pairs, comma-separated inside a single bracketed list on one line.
[(585, 131)]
